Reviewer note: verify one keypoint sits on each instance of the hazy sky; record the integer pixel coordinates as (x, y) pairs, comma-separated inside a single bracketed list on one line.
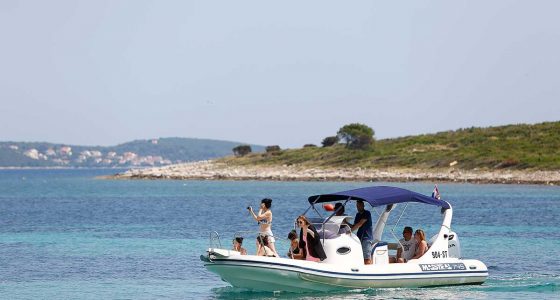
[(272, 72)]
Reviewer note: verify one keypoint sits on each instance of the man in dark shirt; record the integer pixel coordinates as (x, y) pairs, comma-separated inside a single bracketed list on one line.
[(363, 224)]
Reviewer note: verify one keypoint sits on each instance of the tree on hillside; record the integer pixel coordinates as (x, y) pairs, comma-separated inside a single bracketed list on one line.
[(241, 150), (274, 148), (330, 141), (356, 136)]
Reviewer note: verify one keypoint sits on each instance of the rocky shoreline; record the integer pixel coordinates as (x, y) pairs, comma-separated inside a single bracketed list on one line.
[(212, 170)]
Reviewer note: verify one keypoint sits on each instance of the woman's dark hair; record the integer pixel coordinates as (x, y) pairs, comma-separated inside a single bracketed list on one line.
[(292, 235), (239, 240), (267, 202)]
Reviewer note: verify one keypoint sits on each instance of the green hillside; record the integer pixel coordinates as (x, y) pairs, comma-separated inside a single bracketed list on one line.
[(522, 146), (152, 152), (181, 149)]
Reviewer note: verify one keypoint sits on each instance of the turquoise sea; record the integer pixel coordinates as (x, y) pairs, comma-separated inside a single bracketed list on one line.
[(66, 235)]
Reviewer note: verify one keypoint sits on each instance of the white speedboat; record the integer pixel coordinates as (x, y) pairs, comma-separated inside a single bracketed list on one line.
[(344, 266)]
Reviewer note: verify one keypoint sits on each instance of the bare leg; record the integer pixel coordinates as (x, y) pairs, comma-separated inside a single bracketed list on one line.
[(271, 246), (258, 248)]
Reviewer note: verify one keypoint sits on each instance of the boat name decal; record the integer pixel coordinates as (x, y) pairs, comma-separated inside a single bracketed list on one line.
[(443, 267)]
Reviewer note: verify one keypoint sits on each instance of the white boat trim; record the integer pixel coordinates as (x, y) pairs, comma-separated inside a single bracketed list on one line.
[(248, 263)]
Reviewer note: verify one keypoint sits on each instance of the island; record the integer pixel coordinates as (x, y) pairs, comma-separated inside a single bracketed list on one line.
[(513, 154)]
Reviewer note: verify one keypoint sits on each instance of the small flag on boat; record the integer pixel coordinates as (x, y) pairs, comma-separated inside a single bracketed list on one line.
[(435, 193)]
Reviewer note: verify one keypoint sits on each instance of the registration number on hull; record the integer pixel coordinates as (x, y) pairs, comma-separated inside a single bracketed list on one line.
[(439, 254)]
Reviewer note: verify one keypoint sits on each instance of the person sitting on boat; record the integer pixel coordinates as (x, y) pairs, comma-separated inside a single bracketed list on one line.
[(311, 240), (421, 244), (339, 211), (295, 251), (363, 224), (237, 242), (264, 219), (406, 247), (263, 248)]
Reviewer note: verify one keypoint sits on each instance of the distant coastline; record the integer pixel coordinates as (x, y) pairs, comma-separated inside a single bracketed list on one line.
[(138, 153), (216, 170), (64, 168)]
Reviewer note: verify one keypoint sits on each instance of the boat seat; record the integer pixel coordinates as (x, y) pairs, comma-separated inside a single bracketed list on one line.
[(380, 253), (379, 244)]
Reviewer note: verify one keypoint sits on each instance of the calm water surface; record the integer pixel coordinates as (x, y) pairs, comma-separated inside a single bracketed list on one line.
[(64, 234)]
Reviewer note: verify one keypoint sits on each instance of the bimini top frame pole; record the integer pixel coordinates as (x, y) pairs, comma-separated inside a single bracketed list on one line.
[(313, 206)]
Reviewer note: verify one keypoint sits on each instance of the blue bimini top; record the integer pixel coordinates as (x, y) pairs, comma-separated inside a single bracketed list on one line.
[(378, 196)]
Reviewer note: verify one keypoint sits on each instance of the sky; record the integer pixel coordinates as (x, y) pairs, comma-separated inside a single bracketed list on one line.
[(282, 73)]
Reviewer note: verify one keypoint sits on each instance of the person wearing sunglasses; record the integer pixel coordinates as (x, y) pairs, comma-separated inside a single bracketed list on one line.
[(406, 247), (310, 240)]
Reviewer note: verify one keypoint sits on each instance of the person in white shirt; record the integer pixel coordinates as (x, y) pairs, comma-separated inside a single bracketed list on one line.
[(406, 248)]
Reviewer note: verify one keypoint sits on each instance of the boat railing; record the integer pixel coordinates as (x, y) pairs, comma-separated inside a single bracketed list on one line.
[(215, 240), (281, 244)]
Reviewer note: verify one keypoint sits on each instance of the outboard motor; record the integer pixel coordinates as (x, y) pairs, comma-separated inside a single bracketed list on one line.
[(454, 245)]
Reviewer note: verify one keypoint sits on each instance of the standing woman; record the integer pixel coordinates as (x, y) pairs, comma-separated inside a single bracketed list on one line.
[(264, 219), (310, 241)]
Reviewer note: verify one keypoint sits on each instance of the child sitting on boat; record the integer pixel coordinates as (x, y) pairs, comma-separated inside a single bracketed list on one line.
[(237, 242), (295, 251)]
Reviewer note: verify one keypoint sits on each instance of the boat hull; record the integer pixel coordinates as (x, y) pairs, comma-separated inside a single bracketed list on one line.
[(279, 274)]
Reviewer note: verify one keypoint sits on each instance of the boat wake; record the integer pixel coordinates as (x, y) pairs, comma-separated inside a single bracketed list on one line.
[(530, 285)]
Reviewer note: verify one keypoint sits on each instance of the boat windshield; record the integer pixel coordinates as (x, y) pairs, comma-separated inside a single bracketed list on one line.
[(331, 229)]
